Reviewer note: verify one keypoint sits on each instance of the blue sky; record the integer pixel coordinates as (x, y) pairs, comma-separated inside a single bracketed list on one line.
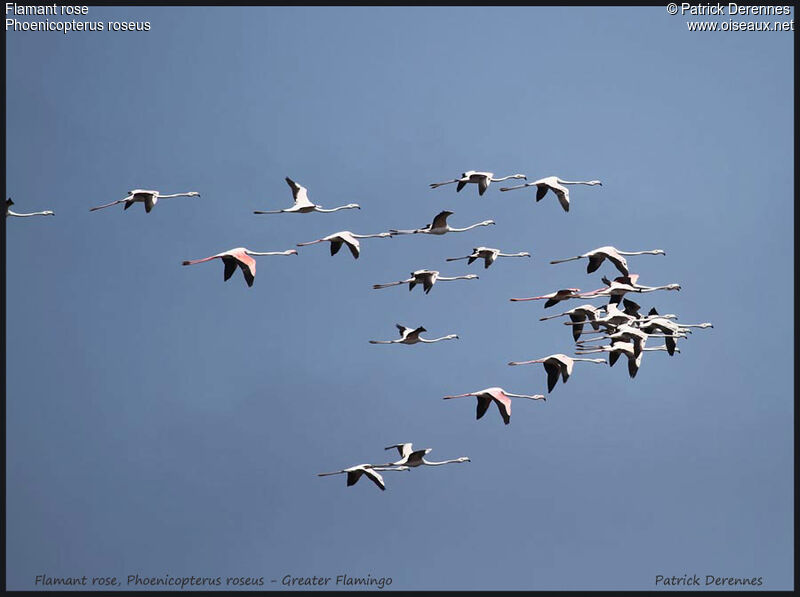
[(160, 421)]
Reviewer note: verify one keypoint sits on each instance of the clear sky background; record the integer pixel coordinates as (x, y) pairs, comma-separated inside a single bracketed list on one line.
[(161, 421)]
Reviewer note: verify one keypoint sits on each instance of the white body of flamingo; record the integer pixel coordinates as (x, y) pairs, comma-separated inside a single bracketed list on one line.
[(482, 179), (414, 458), (439, 226), (614, 255), (354, 473), (412, 336), (555, 184), (553, 298), (555, 365), (149, 198), (14, 214), (488, 254), (578, 316), (629, 350), (348, 238), (427, 278), (500, 397), (303, 205), (240, 257)]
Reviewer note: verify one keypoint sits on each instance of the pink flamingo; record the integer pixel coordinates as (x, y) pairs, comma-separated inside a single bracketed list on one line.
[(500, 397), (149, 198), (241, 257), (348, 238), (554, 297), (556, 364)]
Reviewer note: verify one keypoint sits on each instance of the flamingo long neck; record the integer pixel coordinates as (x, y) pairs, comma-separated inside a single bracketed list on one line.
[(502, 179), (327, 211), (513, 254), (173, 195), (254, 254), (36, 213), (467, 228), (653, 252), (526, 362), (448, 279), (588, 182), (380, 234), (510, 395), (590, 360), (429, 463), (448, 337)]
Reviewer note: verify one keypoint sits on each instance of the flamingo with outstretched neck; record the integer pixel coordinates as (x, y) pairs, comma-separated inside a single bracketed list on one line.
[(149, 198), (345, 237), (427, 278), (440, 226), (412, 336), (354, 473), (614, 255), (241, 257), (414, 458), (488, 254), (482, 179), (500, 397), (303, 205), (555, 365), (555, 184)]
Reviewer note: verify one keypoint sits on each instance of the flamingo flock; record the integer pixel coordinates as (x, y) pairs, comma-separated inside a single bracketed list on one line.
[(618, 326)]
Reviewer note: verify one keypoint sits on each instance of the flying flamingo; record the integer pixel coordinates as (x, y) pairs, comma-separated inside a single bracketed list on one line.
[(9, 203), (617, 288), (556, 364), (302, 204), (354, 473), (579, 315), (615, 256), (149, 198), (555, 184), (348, 238), (488, 255), (414, 458), (500, 397), (427, 278), (439, 226), (628, 349), (411, 336), (241, 257), (482, 179), (554, 297)]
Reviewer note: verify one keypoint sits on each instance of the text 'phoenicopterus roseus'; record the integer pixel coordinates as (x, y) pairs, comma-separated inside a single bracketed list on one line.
[(241, 257), (302, 204), (500, 397), (555, 184), (10, 213), (487, 254), (411, 336), (149, 198), (439, 226), (556, 364), (482, 179), (427, 278), (354, 473), (614, 255), (348, 238)]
